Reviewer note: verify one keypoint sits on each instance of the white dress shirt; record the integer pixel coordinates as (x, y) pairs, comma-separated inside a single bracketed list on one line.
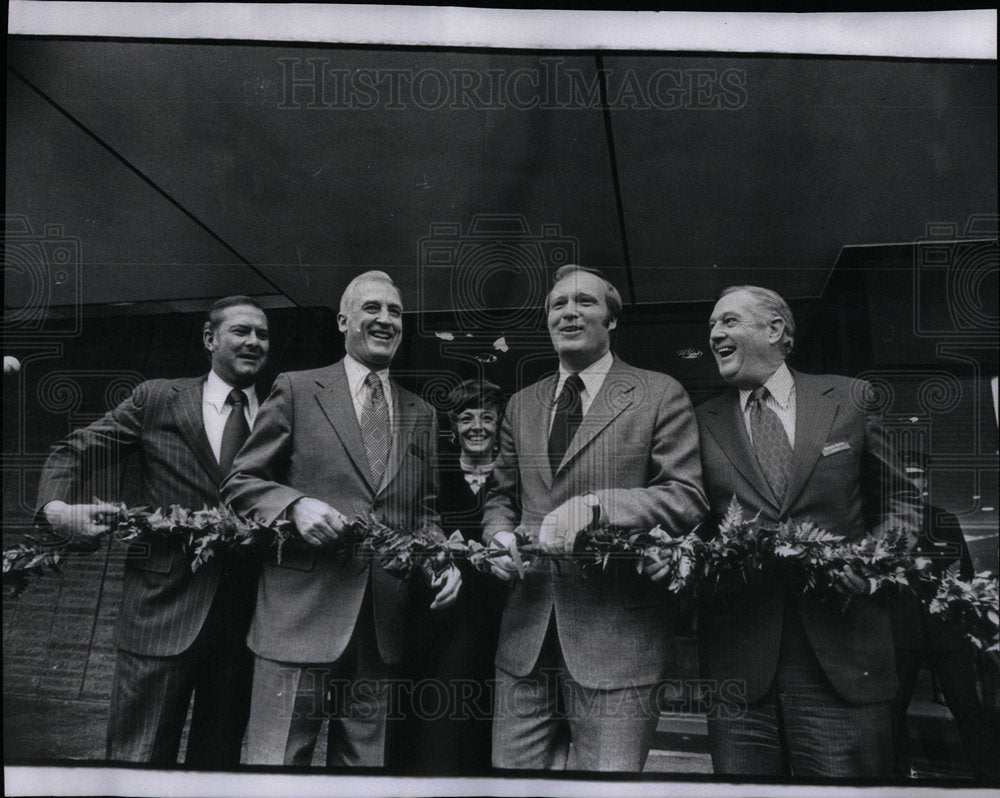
[(356, 374), (592, 378), (780, 398), (215, 410)]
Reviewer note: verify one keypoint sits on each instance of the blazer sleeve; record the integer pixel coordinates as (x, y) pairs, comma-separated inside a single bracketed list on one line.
[(254, 488), (891, 499), (74, 458), (673, 497), (501, 510)]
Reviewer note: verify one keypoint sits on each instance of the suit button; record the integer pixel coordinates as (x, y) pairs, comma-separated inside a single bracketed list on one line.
[(865, 673)]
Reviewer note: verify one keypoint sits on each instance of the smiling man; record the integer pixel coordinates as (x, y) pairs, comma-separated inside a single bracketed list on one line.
[(598, 442), (330, 445), (801, 447), (177, 632)]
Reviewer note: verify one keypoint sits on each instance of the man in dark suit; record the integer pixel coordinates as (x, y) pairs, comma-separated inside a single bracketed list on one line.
[(329, 445), (922, 638), (598, 442), (177, 632), (818, 682)]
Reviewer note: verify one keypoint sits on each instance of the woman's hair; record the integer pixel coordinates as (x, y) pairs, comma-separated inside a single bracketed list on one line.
[(474, 393)]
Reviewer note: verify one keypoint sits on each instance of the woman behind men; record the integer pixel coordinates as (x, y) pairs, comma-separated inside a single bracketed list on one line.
[(448, 709)]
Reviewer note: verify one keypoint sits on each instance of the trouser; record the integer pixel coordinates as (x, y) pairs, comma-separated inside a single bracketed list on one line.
[(537, 716), (802, 727), (291, 700), (151, 695)]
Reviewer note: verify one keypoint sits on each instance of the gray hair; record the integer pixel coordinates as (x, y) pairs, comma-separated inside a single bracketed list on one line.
[(352, 287), (772, 306)]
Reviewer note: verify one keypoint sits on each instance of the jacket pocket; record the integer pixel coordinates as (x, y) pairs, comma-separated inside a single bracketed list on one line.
[(153, 558), (297, 558)]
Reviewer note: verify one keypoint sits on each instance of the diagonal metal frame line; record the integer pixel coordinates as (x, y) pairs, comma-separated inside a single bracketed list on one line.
[(615, 179), (147, 180)]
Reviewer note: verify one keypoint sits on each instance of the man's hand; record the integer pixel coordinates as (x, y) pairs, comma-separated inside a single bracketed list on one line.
[(448, 583), (317, 522), (557, 534), (655, 568), (81, 522), (852, 584), (503, 567)]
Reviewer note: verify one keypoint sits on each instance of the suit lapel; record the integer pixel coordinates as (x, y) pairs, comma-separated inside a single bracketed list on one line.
[(616, 394), (814, 414), (337, 404), (725, 423), (404, 417), (185, 404)]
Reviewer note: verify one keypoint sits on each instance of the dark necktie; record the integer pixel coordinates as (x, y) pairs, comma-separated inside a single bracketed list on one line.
[(770, 441), (566, 420), (236, 431), (375, 428)]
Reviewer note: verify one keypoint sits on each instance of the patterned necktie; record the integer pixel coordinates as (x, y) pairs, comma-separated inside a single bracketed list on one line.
[(236, 431), (375, 428), (770, 441), (566, 421)]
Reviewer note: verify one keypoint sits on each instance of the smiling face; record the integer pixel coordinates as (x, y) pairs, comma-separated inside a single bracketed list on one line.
[(373, 323), (578, 320), (476, 430), (238, 344), (745, 342)]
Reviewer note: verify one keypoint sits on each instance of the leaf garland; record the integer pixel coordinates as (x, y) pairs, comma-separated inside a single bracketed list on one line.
[(26, 561), (972, 606), (798, 556)]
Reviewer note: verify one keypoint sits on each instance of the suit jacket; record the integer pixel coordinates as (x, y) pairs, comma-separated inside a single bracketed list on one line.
[(163, 604), (846, 480), (941, 541), (637, 450), (307, 442)]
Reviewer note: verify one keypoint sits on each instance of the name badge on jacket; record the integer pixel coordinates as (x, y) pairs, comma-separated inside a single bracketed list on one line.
[(833, 448)]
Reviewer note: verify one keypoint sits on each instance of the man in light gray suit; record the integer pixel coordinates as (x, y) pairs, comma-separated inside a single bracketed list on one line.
[(331, 444), (598, 442)]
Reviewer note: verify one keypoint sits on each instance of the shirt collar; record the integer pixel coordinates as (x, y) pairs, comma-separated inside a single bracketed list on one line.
[(216, 391), (779, 385), (592, 376), (357, 372), (478, 470)]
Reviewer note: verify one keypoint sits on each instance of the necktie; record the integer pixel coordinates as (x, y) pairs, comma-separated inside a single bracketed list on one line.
[(770, 441), (236, 431), (375, 428), (566, 421)]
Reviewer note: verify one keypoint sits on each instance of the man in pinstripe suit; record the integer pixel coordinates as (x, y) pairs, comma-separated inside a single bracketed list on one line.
[(178, 633), (805, 447)]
